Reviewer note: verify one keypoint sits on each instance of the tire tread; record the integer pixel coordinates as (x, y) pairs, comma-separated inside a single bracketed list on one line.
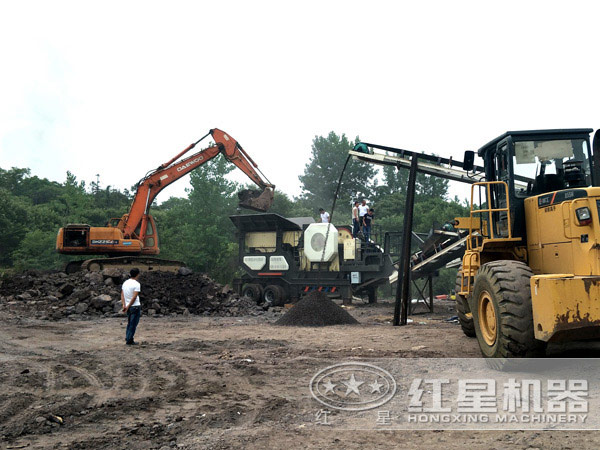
[(509, 285)]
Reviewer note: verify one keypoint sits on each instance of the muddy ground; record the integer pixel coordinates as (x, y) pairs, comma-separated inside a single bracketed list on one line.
[(214, 382)]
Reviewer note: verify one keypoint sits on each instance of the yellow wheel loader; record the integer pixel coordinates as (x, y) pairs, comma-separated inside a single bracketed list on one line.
[(531, 271)]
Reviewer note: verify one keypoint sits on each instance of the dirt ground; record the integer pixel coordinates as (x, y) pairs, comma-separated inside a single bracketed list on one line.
[(208, 382)]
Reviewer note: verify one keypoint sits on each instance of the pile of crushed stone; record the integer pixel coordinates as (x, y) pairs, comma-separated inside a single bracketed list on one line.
[(316, 310), (56, 295)]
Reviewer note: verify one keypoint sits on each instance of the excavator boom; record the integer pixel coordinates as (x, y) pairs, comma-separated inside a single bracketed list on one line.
[(155, 181), (135, 233)]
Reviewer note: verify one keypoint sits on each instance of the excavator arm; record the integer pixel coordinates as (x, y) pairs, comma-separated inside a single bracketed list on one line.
[(171, 171)]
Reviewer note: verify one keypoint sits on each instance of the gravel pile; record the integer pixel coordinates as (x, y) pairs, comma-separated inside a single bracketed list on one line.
[(56, 295), (316, 310)]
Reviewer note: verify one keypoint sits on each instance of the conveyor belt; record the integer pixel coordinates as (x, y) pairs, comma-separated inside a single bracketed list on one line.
[(423, 265)]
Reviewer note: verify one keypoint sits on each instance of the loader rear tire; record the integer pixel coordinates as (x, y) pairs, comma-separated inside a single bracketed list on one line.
[(501, 306), (465, 317)]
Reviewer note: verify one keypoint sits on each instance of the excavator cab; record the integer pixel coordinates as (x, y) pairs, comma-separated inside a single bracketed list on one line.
[(150, 238)]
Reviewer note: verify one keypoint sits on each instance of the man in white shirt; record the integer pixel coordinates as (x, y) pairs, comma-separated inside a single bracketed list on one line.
[(324, 215), (130, 297), (363, 209)]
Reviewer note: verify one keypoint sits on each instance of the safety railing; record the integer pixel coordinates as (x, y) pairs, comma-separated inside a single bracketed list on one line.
[(490, 211), (476, 241)]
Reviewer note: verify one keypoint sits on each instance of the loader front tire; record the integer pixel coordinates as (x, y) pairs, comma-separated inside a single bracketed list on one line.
[(501, 306)]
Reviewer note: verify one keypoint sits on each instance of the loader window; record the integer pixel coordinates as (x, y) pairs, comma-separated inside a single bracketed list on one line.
[(551, 165), (499, 191)]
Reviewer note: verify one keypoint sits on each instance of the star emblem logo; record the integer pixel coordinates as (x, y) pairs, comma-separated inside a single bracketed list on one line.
[(329, 386), (352, 385), (376, 387)]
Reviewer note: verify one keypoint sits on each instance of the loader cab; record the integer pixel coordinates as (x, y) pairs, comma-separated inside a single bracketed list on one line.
[(533, 163)]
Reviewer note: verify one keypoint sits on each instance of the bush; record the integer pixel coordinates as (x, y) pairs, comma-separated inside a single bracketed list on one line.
[(37, 251)]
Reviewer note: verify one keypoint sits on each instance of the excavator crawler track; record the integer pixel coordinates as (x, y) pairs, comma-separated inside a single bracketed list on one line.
[(143, 263)]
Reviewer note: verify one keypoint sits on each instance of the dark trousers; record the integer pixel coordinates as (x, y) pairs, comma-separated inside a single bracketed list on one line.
[(367, 232), (133, 318), (355, 227)]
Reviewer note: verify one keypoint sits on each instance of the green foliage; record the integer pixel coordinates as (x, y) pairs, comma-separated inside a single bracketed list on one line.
[(445, 282), (431, 201), (36, 251), (427, 212), (13, 220), (32, 210), (431, 208), (321, 174), (395, 181), (12, 180), (286, 207), (197, 229)]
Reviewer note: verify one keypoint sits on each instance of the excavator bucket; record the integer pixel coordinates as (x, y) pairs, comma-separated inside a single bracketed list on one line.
[(256, 200)]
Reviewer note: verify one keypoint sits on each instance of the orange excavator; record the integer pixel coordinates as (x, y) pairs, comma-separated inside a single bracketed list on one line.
[(133, 239)]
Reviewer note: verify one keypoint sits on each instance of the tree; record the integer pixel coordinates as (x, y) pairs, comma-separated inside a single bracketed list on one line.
[(13, 223), (431, 194), (108, 203), (36, 251), (431, 186), (12, 179), (198, 230), (321, 174), (396, 180), (32, 210)]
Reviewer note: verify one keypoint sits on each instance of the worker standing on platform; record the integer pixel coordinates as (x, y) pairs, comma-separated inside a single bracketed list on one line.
[(367, 222), (363, 209), (355, 220)]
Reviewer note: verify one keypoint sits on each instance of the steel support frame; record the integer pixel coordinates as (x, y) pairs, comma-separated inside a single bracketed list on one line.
[(427, 299), (403, 285)]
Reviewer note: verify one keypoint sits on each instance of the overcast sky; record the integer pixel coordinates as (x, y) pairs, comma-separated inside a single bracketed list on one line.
[(117, 88)]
